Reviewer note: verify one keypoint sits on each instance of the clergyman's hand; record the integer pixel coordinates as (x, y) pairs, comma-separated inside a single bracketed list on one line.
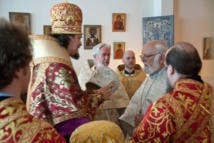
[(105, 91), (138, 118)]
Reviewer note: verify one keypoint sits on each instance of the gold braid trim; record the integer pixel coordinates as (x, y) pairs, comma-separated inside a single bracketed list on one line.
[(205, 117), (13, 117), (51, 60), (73, 115), (33, 130)]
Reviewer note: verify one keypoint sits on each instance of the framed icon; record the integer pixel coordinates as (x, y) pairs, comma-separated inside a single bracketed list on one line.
[(118, 22), (119, 49), (21, 18), (92, 36), (47, 29), (208, 50), (159, 28)]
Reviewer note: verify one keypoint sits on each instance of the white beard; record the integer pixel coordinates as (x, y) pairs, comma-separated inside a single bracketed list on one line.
[(151, 69)]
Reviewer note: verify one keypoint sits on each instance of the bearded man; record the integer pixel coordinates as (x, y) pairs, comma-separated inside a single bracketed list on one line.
[(54, 93), (153, 87), (115, 106), (131, 74), (185, 113)]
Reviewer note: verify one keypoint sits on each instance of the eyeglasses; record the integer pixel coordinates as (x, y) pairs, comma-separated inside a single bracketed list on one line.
[(148, 56)]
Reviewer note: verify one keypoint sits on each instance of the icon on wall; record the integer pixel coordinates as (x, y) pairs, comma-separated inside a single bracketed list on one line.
[(119, 49), (118, 22), (47, 29), (208, 49), (92, 36), (21, 18), (159, 28)]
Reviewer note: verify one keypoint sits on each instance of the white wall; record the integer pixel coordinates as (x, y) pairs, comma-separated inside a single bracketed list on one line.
[(193, 21), (96, 12)]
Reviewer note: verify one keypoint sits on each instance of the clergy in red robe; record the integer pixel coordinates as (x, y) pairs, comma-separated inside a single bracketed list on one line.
[(54, 94), (184, 114), (16, 124)]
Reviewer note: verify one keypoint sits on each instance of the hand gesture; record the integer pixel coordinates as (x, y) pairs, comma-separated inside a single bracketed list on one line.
[(138, 118), (105, 91)]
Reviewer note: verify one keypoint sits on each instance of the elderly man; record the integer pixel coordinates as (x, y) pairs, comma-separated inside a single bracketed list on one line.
[(111, 109), (131, 74), (184, 113), (153, 87)]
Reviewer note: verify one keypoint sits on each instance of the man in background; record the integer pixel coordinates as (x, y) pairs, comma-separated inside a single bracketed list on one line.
[(17, 125), (113, 108), (184, 113), (153, 87), (131, 74)]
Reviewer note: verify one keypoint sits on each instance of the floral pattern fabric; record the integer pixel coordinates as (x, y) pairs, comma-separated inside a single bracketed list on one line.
[(18, 126), (180, 116)]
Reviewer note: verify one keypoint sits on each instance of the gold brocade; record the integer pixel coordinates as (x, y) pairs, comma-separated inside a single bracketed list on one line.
[(76, 114), (66, 18), (119, 98), (201, 108), (45, 46), (108, 110), (18, 126), (180, 116), (54, 94), (133, 82), (146, 93), (46, 50), (98, 132)]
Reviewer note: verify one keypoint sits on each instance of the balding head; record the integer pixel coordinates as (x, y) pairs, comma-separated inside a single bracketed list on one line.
[(129, 59), (128, 53), (156, 46), (184, 57), (153, 56)]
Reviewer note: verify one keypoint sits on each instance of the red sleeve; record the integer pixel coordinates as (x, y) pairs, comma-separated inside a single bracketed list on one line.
[(156, 126), (59, 93)]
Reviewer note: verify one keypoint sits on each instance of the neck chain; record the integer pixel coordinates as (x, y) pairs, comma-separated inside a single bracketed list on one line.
[(143, 102)]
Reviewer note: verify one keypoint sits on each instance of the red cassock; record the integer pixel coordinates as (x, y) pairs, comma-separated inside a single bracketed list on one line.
[(180, 116), (54, 94), (18, 126)]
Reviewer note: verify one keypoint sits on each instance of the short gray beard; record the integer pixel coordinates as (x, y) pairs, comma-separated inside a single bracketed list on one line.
[(99, 64), (151, 69)]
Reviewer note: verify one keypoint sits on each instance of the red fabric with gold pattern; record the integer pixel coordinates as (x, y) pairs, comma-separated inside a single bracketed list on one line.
[(57, 96), (166, 117), (18, 126)]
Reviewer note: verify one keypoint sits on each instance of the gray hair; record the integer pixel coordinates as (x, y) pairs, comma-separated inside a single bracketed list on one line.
[(96, 49), (160, 46)]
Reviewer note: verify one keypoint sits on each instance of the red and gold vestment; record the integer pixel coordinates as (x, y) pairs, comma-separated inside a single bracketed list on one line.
[(18, 126), (183, 115), (54, 93)]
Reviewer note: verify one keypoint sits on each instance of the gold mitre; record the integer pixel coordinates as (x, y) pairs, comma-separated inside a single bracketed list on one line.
[(66, 18), (98, 132)]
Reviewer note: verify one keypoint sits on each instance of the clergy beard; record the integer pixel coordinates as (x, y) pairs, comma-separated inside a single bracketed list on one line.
[(99, 64), (151, 69), (76, 56), (169, 87)]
